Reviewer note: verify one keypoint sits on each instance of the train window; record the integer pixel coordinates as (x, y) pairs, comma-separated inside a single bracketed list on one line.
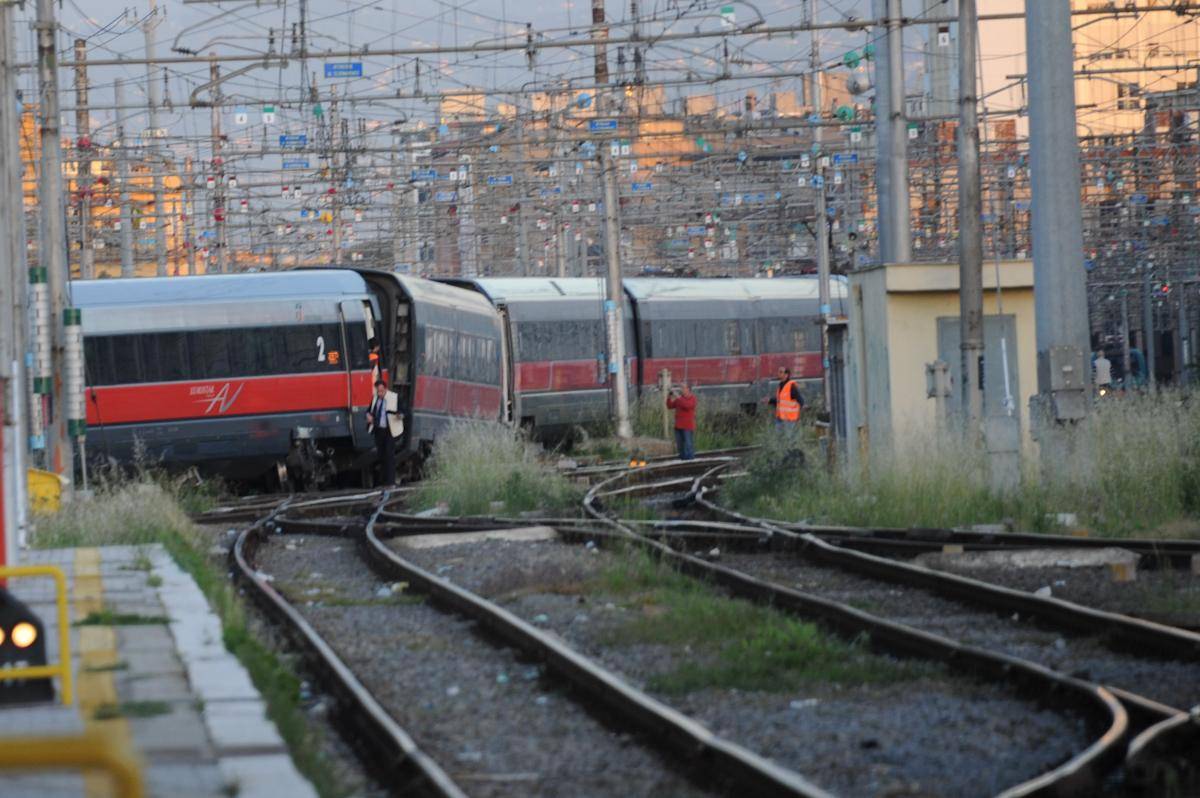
[(358, 332), (559, 340), (733, 339), (211, 354), (798, 344)]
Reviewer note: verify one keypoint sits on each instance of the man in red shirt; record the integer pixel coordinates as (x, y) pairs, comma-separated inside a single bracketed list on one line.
[(683, 402)]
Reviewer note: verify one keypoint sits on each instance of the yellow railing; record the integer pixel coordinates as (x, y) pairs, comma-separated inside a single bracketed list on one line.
[(93, 750), (63, 668)]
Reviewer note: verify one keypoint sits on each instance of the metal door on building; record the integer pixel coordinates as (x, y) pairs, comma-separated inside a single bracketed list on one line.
[(999, 336)]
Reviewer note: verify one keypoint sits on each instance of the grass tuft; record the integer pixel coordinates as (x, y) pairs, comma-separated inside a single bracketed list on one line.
[(733, 644), (131, 709), (1140, 476), (475, 465), (150, 508), (107, 617)]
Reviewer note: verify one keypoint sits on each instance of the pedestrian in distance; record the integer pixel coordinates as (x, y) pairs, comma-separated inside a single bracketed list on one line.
[(683, 402), (385, 422), (787, 401)]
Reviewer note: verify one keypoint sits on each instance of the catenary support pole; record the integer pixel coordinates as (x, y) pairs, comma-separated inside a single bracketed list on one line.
[(126, 212), (820, 214), (1125, 336), (83, 178), (153, 97), (1059, 278), (188, 190), (970, 225), (52, 249), (13, 287), (614, 304), (1149, 337), (218, 171), (891, 138)]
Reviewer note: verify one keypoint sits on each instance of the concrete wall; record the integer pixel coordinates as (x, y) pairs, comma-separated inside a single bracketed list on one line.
[(894, 333)]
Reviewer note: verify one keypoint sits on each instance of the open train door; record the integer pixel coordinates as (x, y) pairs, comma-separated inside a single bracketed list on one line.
[(507, 379), (358, 323)]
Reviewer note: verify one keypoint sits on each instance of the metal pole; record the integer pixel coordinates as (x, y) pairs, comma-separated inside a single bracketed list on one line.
[(524, 261), (189, 212), (83, 179), (52, 248), (13, 287), (152, 96), (891, 142), (821, 222), (1148, 336), (1125, 336), (1060, 289), (218, 164), (1185, 337), (970, 224), (123, 178), (614, 304)]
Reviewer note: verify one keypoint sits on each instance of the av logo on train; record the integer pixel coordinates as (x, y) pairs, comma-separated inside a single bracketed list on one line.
[(219, 400)]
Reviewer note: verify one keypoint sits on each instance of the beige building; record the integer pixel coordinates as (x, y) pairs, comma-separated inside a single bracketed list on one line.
[(1149, 45), (904, 316)]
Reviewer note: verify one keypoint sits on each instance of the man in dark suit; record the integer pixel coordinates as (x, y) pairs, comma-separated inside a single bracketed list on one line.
[(385, 422)]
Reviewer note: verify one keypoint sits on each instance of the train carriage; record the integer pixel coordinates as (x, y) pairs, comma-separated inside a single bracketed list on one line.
[(711, 333), (232, 373), (444, 350), (557, 344), (254, 375)]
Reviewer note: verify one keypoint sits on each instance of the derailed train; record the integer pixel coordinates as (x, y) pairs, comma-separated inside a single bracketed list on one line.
[(256, 375)]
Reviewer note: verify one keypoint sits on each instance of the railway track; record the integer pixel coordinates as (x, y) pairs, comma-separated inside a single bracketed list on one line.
[(771, 564), (713, 765), (381, 743)]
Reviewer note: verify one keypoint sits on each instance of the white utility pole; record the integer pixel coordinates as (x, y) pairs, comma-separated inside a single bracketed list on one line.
[(614, 304), (149, 28), (13, 289), (52, 246), (1060, 282), (970, 224), (218, 171), (83, 177), (126, 213), (891, 139), (820, 213)]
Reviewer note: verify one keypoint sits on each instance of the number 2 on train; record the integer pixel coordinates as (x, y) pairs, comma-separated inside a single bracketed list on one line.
[(320, 348)]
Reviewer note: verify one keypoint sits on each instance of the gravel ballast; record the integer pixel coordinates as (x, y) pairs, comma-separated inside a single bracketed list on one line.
[(492, 721), (933, 734), (1176, 684)]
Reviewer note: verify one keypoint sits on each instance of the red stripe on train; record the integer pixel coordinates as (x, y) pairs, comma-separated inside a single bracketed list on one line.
[(558, 375), (456, 398), (581, 375), (175, 401)]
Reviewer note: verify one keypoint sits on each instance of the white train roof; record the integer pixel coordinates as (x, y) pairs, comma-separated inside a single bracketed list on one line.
[(216, 288), (521, 289)]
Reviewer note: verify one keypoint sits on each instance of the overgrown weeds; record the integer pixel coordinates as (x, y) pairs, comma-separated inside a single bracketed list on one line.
[(1138, 470), (732, 644), (474, 466)]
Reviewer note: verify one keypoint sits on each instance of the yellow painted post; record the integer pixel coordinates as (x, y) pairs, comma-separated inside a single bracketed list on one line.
[(92, 750)]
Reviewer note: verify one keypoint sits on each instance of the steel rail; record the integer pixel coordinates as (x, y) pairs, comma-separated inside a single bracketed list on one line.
[(1080, 775), (1136, 634), (1166, 756), (743, 771), (387, 748)]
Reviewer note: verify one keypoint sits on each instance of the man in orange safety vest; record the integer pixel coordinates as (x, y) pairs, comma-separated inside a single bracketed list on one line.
[(787, 401)]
